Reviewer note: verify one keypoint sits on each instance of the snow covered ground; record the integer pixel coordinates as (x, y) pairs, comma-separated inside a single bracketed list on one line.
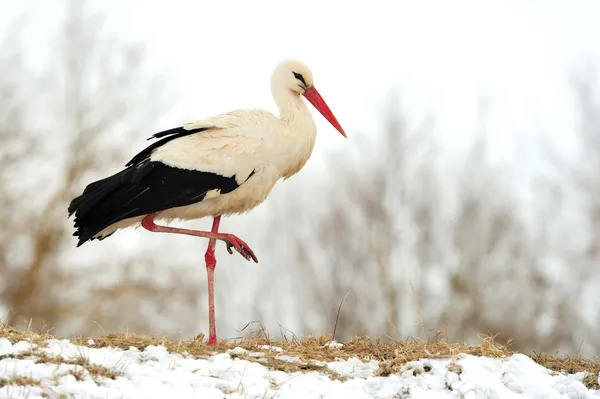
[(64, 370)]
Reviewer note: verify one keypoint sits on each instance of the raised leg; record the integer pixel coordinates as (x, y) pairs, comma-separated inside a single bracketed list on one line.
[(211, 263), (229, 239)]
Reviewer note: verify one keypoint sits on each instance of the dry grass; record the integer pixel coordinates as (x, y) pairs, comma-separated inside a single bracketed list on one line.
[(391, 354), (18, 381), (14, 335), (571, 365), (85, 367)]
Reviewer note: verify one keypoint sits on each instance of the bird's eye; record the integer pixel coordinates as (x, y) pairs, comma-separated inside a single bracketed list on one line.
[(300, 78)]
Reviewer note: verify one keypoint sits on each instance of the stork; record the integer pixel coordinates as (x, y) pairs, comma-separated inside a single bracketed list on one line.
[(218, 166)]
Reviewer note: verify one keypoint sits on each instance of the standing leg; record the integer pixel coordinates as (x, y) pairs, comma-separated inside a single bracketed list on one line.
[(211, 263)]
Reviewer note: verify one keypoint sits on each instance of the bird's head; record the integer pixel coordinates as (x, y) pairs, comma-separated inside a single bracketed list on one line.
[(295, 76)]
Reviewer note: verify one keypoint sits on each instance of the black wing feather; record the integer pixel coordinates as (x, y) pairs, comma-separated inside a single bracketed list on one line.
[(143, 187), (168, 135), (140, 190)]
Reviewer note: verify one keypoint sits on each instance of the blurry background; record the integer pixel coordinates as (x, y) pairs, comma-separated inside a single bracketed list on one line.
[(467, 194)]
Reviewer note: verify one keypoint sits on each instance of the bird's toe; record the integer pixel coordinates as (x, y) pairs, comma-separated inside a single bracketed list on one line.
[(241, 247)]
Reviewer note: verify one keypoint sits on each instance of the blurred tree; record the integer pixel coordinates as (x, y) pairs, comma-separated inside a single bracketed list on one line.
[(396, 216), (60, 128)]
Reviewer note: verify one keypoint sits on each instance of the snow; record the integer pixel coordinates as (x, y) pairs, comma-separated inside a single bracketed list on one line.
[(272, 348), (334, 345), (156, 373)]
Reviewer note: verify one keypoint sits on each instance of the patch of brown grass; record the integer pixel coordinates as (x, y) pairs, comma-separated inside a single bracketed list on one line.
[(95, 370), (571, 365), (312, 347), (270, 360), (18, 381), (391, 354), (14, 335)]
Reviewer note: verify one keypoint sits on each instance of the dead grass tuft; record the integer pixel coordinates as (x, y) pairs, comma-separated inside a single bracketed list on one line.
[(94, 370), (14, 335), (19, 381), (193, 347), (78, 373), (572, 365)]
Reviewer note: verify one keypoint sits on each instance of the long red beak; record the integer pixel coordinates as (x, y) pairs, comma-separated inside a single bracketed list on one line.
[(317, 101)]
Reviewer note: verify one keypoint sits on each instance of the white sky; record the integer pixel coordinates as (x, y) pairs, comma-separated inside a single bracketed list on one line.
[(218, 55), (222, 53)]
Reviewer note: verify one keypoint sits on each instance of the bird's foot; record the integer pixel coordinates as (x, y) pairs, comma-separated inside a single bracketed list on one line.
[(212, 340), (244, 249)]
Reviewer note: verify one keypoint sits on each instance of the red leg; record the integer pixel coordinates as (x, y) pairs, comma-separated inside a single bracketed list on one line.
[(229, 239), (209, 257), (211, 263)]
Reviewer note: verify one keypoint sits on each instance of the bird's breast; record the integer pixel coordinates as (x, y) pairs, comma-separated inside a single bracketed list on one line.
[(298, 150)]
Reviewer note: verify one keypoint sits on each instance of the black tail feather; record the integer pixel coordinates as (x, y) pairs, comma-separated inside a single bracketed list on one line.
[(88, 221)]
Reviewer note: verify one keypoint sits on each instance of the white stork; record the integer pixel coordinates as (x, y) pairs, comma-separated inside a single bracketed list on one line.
[(222, 165)]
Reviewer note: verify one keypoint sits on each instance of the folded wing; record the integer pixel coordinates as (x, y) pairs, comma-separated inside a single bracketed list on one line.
[(178, 170)]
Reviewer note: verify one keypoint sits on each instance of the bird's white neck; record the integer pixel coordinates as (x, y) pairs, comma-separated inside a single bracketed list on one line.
[(300, 132), (292, 109)]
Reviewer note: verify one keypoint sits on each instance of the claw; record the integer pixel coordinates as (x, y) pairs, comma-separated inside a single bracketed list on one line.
[(241, 247)]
